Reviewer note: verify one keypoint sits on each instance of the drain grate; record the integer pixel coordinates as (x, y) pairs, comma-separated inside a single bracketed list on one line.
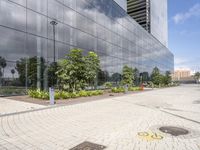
[(88, 146), (174, 131), (196, 102)]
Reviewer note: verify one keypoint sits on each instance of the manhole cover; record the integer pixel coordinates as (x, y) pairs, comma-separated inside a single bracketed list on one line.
[(175, 131), (196, 102), (88, 146)]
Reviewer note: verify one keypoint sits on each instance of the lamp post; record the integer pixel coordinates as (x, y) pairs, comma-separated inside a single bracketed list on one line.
[(54, 23), (51, 89)]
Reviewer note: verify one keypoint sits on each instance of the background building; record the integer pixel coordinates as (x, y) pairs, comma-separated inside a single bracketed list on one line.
[(183, 76), (152, 16), (139, 10), (122, 3), (26, 39)]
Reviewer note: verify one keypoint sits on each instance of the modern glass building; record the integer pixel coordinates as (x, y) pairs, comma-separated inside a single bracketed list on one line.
[(26, 39)]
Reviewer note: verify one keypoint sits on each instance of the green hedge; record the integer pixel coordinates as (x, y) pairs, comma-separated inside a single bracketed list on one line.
[(62, 94), (118, 90), (122, 89), (134, 88)]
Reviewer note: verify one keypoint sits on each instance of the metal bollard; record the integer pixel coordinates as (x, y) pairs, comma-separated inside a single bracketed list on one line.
[(51, 95)]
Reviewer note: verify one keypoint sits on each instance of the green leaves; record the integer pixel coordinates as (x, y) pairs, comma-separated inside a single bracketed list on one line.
[(127, 76), (92, 65), (39, 94), (76, 70), (29, 68), (158, 79), (118, 90), (197, 76)]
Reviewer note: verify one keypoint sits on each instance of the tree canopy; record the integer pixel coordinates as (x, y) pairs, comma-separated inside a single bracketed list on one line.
[(76, 71), (127, 76)]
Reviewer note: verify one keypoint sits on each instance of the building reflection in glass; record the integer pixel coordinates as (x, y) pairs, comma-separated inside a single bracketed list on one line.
[(26, 39)]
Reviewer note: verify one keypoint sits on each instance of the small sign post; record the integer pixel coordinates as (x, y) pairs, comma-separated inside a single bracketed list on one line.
[(51, 95)]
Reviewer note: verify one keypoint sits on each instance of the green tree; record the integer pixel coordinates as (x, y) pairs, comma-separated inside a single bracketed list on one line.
[(13, 72), (156, 77), (167, 79), (136, 74), (103, 76), (21, 69), (1, 74), (92, 66), (197, 76), (127, 76), (3, 64), (31, 64), (145, 76), (116, 77), (72, 71), (52, 76)]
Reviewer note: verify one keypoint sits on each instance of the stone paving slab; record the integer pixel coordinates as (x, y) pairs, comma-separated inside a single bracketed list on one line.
[(8, 106), (116, 123)]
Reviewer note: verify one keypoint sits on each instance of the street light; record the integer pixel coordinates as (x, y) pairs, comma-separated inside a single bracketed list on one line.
[(54, 23), (51, 89)]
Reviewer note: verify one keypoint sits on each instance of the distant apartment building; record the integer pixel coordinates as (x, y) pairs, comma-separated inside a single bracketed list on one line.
[(152, 16), (181, 74)]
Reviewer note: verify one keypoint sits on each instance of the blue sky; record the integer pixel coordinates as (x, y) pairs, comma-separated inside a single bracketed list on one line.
[(184, 32)]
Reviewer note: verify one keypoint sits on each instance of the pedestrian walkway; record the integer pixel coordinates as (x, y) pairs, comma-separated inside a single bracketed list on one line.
[(165, 119), (8, 106)]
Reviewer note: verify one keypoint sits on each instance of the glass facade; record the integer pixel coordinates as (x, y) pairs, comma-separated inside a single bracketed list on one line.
[(26, 38)]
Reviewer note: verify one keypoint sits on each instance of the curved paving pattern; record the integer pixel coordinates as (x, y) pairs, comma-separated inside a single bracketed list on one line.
[(114, 123), (8, 106)]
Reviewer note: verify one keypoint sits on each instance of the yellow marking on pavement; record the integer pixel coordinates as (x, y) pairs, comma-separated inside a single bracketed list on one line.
[(149, 136)]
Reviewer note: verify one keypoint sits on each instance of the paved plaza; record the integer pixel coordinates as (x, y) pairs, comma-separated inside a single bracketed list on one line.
[(130, 122), (11, 106)]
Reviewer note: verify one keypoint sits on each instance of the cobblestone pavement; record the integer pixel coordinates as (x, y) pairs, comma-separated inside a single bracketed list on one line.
[(8, 106), (123, 123)]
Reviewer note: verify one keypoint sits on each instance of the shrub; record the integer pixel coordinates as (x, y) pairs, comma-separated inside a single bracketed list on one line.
[(108, 85), (134, 88), (118, 90), (99, 92), (57, 95), (62, 94), (74, 95), (83, 93), (38, 94)]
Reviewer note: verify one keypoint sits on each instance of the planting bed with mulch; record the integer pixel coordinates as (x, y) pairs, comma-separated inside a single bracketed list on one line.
[(71, 101)]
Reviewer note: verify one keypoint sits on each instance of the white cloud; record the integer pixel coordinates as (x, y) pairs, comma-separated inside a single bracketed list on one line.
[(179, 61), (187, 63), (192, 12)]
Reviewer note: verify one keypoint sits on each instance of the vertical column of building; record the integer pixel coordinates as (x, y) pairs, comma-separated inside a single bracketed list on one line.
[(39, 48)]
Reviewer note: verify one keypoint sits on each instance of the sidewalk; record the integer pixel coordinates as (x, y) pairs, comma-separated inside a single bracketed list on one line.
[(129, 122)]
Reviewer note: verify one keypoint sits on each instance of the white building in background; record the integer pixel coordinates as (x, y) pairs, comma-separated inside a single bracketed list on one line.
[(181, 74), (152, 16), (159, 21), (122, 3)]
